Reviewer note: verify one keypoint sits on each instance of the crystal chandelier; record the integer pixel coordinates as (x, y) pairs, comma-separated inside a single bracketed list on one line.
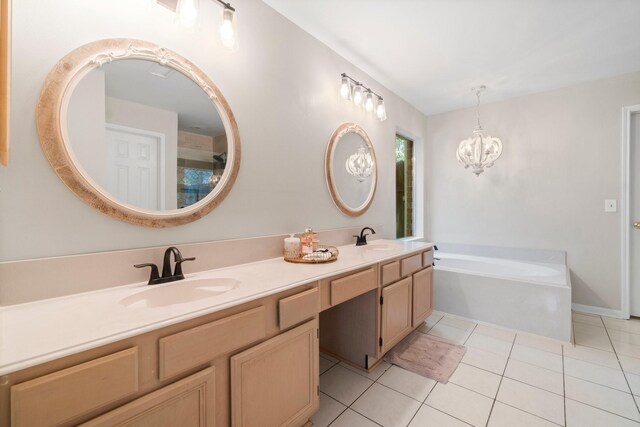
[(479, 151), (360, 164)]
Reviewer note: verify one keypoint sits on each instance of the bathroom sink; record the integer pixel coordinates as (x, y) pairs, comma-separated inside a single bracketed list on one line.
[(180, 292), (382, 247)]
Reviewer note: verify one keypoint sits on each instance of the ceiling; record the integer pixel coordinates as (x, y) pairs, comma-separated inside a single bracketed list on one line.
[(431, 52)]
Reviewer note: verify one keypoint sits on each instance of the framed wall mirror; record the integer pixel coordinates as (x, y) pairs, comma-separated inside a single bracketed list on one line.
[(138, 132), (351, 169)]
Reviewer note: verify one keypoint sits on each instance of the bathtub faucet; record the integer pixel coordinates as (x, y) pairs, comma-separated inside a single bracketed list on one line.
[(361, 240)]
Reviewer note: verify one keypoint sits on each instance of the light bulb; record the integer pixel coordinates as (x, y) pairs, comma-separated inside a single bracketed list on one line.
[(381, 112), (228, 31), (187, 12), (345, 88), (357, 95), (368, 103)]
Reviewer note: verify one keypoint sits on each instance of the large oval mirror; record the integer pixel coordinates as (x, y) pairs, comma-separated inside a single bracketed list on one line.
[(351, 169), (138, 132)]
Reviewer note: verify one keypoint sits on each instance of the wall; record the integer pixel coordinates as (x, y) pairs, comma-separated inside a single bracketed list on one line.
[(282, 85), (561, 160)]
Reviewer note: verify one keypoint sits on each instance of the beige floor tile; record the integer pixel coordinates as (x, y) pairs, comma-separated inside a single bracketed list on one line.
[(536, 357), (428, 416), (601, 397), (325, 364), (581, 415), (540, 343), (329, 358), (485, 360), (407, 382), (343, 385), (457, 322), (450, 333), (591, 336), (595, 373), (463, 404), (541, 403), (631, 325), (536, 376), (495, 332), (476, 379), (507, 416), (626, 337), (627, 349), (589, 319), (329, 411), (490, 344), (592, 355), (351, 418), (386, 407), (630, 364), (373, 375), (634, 383)]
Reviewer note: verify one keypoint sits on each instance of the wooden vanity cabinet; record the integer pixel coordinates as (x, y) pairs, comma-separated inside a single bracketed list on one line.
[(422, 295), (395, 318)]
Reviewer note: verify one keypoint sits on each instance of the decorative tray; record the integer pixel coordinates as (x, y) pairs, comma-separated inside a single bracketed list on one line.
[(330, 249)]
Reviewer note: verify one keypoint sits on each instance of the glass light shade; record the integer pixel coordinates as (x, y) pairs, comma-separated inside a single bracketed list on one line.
[(357, 95), (381, 111), (345, 88), (479, 152), (360, 164), (187, 12), (368, 103), (229, 29)]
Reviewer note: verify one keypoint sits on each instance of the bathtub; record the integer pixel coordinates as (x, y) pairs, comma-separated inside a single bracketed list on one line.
[(522, 289)]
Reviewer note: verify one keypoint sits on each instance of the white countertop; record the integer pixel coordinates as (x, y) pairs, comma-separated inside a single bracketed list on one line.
[(42, 331)]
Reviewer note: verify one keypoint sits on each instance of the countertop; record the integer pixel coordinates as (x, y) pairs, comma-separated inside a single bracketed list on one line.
[(41, 331)]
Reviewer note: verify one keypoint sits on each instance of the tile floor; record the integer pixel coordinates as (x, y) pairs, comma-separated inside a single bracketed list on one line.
[(505, 379)]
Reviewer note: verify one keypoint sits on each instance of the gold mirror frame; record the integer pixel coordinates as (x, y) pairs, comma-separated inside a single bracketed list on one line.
[(51, 119), (342, 130)]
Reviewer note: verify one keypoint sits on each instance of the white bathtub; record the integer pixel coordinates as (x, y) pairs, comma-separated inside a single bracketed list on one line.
[(527, 290)]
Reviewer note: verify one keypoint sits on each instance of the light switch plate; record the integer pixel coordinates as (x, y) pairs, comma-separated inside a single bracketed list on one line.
[(611, 206)]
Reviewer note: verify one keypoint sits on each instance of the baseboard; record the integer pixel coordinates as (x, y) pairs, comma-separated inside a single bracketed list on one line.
[(600, 311)]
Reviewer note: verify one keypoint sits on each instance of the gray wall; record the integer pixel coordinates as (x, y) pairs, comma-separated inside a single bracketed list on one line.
[(561, 160), (283, 87)]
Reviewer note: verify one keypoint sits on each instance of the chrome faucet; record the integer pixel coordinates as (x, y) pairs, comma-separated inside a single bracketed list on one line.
[(361, 240), (167, 275)]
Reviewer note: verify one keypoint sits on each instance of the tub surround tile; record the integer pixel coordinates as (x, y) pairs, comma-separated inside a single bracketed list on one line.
[(461, 403), (484, 360), (329, 410), (536, 376), (406, 382), (386, 407), (507, 416), (536, 357), (533, 400), (581, 415), (601, 397), (428, 416), (476, 379), (343, 385), (598, 374)]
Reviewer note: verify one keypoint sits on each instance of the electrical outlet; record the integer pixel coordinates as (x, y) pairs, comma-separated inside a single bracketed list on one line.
[(611, 206)]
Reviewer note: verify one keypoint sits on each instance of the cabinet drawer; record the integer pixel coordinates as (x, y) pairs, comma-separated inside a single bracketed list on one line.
[(390, 272), (61, 396), (188, 349), (298, 308), (427, 258), (352, 285), (188, 402), (410, 265)]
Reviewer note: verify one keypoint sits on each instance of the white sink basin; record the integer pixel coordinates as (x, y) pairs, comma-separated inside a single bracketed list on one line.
[(382, 247), (180, 292)]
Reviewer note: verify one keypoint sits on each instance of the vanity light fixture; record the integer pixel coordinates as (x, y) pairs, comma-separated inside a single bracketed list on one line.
[(360, 164), (187, 14), (361, 95), (479, 151)]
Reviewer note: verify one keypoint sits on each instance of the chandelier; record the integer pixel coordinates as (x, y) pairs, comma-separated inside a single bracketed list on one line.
[(360, 164), (479, 151)]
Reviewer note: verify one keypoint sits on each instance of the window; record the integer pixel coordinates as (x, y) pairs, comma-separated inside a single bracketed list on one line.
[(404, 187)]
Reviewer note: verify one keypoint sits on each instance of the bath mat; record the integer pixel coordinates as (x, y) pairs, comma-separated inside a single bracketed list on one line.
[(429, 357)]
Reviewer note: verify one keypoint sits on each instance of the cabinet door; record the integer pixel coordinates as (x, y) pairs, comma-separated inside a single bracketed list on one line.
[(396, 313), (276, 383), (187, 403), (422, 291)]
